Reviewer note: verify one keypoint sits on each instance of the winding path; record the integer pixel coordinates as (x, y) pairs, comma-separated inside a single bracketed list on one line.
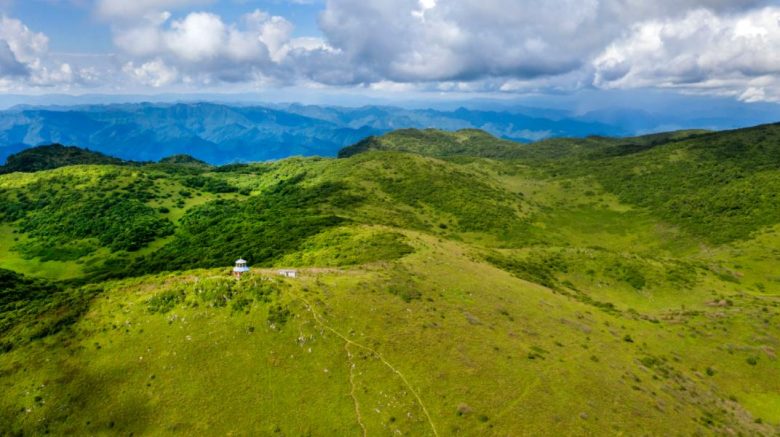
[(352, 390), (381, 358)]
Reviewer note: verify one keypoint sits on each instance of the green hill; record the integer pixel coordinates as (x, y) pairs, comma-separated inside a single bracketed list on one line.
[(184, 160), (567, 287), (54, 156), (432, 142), (477, 143)]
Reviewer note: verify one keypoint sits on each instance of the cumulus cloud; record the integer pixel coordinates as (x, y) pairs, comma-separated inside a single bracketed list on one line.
[(24, 59), (24, 45), (467, 40), (202, 48), (734, 54), (9, 65), (153, 73), (511, 46)]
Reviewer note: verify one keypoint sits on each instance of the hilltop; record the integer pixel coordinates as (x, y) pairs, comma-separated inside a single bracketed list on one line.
[(451, 283), (478, 143), (54, 156), (432, 142)]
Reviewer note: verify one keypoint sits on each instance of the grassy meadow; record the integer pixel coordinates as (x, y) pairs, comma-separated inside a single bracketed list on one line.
[(443, 290)]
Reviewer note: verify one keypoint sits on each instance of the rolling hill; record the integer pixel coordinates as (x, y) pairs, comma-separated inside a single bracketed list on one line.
[(54, 156), (450, 283)]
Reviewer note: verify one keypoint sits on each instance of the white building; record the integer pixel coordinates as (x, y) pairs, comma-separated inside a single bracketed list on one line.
[(240, 268), (289, 273)]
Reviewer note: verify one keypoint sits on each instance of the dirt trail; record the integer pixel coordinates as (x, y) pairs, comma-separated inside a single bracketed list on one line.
[(381, 358), (352, 389)]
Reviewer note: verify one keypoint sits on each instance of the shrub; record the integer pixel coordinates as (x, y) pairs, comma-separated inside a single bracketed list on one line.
[(278, 315), (241, 304), (648, 361), (208, 184), (165, 301)]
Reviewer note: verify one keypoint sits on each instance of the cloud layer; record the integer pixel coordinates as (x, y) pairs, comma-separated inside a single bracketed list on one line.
[(700, 52), (725, 47), (202, 48), (24, 60)]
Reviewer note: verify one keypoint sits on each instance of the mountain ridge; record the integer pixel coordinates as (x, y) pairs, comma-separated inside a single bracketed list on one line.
[(220, 134)]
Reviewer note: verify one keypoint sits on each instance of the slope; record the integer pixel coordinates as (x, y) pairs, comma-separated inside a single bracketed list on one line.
[(475, 351), (432, 142), (457, 295)]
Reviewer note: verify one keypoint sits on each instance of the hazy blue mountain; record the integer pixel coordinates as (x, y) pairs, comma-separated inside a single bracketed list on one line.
[(515, 125), (214, 133), (220, 133)]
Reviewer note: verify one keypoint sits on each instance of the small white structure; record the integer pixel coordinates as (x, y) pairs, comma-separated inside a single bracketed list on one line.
[(289, 273), (240, 268)]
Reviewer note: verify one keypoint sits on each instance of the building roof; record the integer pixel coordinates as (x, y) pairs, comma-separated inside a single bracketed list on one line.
[(241, 261)]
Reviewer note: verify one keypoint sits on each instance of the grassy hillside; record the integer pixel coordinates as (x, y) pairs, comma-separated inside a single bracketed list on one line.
[(478, 143), (432, 142), (54, 156), (721, 186), (597, 287), (433, 344)]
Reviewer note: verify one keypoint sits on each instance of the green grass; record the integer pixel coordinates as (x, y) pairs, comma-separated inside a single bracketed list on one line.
[(13, 260), (571, 287), (522, 350)]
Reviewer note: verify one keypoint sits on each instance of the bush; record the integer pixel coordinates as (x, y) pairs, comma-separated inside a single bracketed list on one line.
[(216, 291), (208, 184), (540, 268), (262, 290), (278, 315), (165, 301), (241, 304)]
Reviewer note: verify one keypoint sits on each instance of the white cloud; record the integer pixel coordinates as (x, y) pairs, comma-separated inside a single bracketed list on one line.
[(202, 48), (724, 47), (25, 61), (200, 37), (27, 46), (429, 40), (153, 73), (9, 65), (733, 54)]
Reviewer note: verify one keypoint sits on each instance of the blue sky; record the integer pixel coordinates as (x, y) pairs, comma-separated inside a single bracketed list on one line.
[(533, 50)]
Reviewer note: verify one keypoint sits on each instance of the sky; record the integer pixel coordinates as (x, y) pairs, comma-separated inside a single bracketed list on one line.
[(502, 49)]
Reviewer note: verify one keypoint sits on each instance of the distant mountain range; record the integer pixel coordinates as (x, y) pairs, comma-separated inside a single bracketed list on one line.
[(220, 134)]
